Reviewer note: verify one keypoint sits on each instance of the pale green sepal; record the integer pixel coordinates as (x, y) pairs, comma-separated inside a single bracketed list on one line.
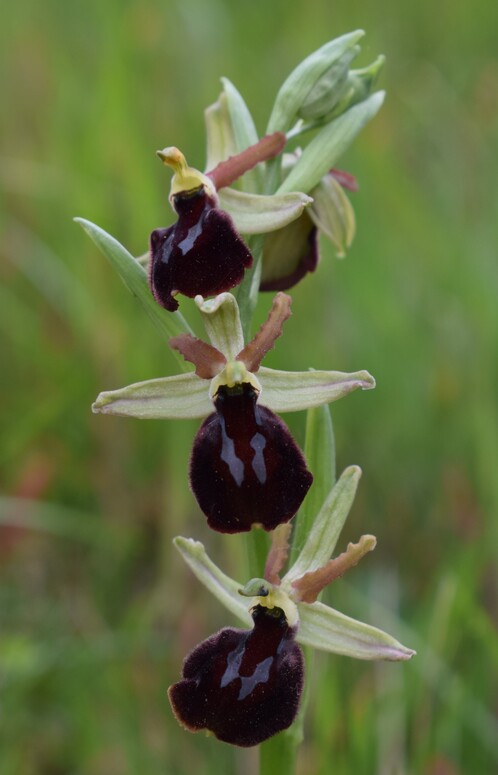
[(290, 391), (134, 277), (219, 133), (258, 214), (222, 323), (326, 629), (322, 538), (181, 397), (225, 589), (329, 144), (296, 88), (333, 214), (244, 133)]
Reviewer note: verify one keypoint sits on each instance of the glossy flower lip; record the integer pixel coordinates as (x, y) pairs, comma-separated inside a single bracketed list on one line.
[(245, 467), (244, 686), (202, 253)]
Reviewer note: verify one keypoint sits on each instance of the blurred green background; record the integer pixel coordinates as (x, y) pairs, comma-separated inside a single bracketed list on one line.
[(96, 612)]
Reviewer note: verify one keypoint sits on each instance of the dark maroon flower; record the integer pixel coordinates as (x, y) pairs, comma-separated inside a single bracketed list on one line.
[(293, 251), (202, 253), (245, 467), (244, 686), (289, 254)]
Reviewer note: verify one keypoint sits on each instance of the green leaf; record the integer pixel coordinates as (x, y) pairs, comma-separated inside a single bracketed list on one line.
[(319, 451), (258, 214), (244, 133), (181, 397), (324, 628), (329, 144), (327, 526), (134, 277), (300, 83), (225, 589), (290, 391)]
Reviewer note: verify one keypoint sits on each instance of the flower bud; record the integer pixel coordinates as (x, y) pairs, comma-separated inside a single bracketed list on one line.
[(328, 90), (358, 86), (297, 88)]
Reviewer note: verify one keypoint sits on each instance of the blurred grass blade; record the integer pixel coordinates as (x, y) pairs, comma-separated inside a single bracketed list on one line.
[(134, 277), (329, 144), (28, 514), (319, 451)]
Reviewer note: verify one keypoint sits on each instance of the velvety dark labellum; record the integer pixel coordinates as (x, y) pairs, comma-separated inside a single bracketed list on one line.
[(242, 685), (245, 467), (201, 253)]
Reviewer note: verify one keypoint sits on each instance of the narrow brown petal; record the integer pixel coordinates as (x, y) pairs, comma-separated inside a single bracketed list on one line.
[(278, 553), (254, 352), (226, 172), (208, 361), (308, 587), (345, 179)]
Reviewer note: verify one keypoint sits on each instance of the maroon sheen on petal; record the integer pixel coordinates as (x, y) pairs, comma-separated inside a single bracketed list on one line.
[(245, 467), (242, 685), (201, 253), (288, 257)]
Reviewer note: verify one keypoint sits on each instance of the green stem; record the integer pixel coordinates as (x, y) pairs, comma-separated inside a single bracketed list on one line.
[(257, 545), (319, 451), (279, 754), (247, 294)]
